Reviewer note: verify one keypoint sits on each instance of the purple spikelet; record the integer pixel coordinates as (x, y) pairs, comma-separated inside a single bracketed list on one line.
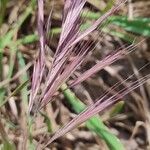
[(39, 65), (68, 56)]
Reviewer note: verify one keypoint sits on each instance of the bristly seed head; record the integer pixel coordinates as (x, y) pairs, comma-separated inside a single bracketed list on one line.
[(67, 57)]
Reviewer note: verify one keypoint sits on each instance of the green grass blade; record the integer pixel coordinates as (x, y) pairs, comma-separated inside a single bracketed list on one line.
[(47, 121), (137, 25), (17, 90), (24, 97), (95, 123), (23, 80)]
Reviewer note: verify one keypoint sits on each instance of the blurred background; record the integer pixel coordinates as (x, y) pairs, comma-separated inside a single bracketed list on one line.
[(129, 120)]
